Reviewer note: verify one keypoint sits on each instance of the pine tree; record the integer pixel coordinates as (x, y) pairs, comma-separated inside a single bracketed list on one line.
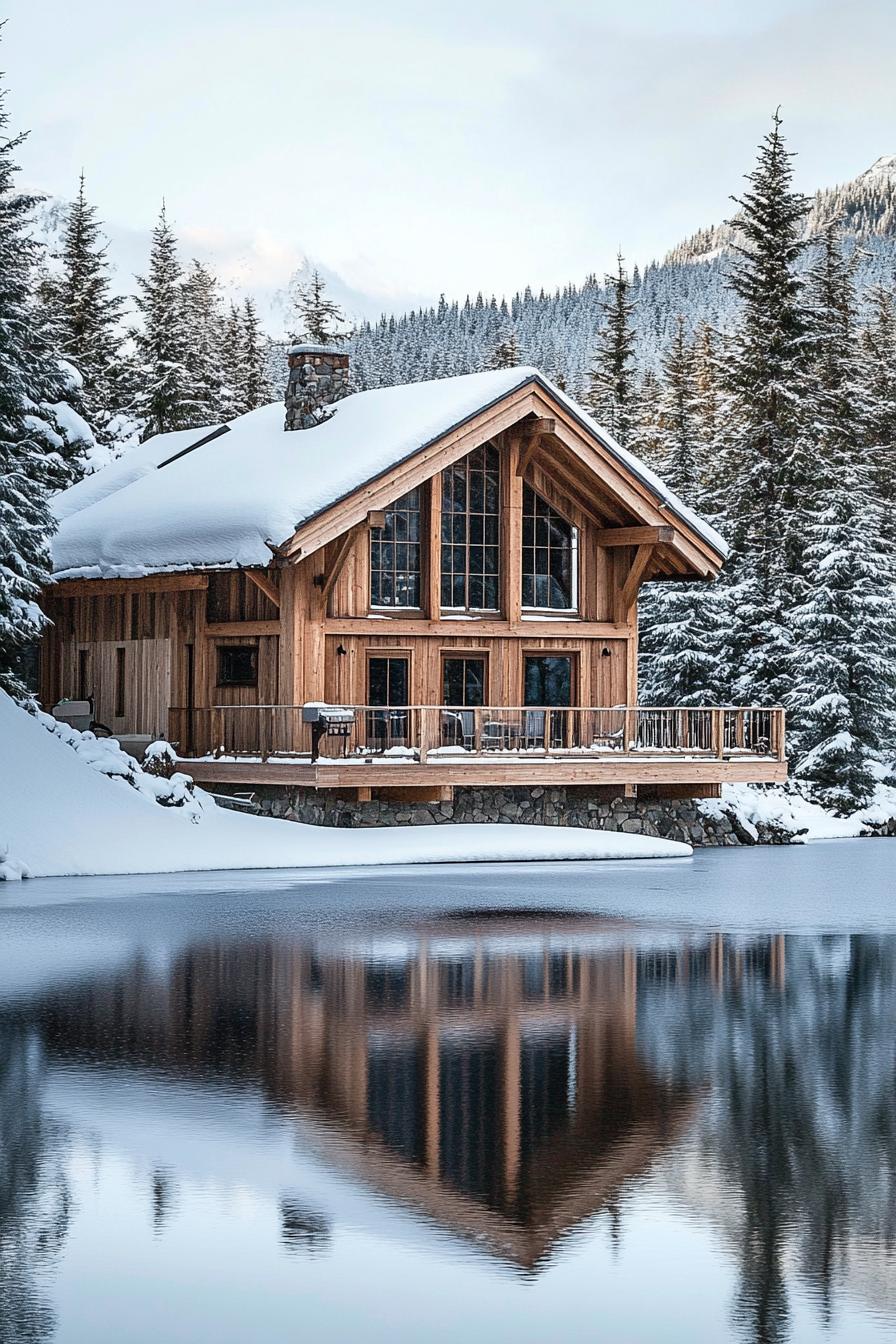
[(256, 390), (610, 395), (708, 408), (85, 316), (680, 623), (506, 352), (679, 448), (645, 439), (844, 663), (162, 397), (878, 351), (322, 318), (25, 373), (203, 325), (765, 361)]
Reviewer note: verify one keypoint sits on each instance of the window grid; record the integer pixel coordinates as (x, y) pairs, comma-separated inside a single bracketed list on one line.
[(550, 556), (471, 553), (463, 681), (395, 555)]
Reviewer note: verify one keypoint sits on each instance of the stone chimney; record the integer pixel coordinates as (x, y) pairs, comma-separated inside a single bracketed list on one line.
[(318, 377)]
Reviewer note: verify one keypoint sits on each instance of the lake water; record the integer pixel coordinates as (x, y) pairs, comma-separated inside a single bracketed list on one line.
[(618, 1102)]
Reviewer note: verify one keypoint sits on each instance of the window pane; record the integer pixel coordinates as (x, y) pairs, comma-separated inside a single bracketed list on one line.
[(237, 665), (548, 681), (548, 555), (463, 681), (395, 565), (387, 681), (470, 531)]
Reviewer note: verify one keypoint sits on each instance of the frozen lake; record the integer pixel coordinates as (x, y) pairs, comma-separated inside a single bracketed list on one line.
[(622, 1101)]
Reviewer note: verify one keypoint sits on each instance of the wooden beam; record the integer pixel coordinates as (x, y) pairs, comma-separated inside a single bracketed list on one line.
[(531, 434), (153, 583), (542, 424), (512, 532), (634, 536), (267, 586), (475, 630), (486, 774), (636, 576), (251, 629), (433, 549), (343, 546), (528, 448)]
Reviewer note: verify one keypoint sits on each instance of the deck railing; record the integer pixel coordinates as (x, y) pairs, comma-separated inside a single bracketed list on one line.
[(438, 732)]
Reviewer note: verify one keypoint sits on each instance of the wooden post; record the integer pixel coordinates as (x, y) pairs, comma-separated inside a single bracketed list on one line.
[(718, 733), (631, 730), (512, 533), (433, 599)]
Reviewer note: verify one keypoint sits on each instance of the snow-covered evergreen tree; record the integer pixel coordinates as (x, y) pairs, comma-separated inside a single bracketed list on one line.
[(765, 359), (204, 335), (611, 386), (255, 389), (708, 364), (844, 660), (322, 320), (163, 393), (506, 353), (680, 622), (878, 360), (26, 372), (85, 316), (679, 443)]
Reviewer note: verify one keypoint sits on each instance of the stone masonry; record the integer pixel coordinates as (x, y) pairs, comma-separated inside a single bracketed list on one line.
[(318, 377), (681, 819)]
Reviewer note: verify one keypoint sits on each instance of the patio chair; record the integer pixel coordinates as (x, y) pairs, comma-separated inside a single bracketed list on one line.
[(534, 728), (459, 728)]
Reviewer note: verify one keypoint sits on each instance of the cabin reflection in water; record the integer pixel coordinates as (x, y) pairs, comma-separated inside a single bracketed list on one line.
[(488, 1073)]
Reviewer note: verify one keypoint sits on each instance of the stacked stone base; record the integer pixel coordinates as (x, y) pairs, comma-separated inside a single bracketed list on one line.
[(679, 819)]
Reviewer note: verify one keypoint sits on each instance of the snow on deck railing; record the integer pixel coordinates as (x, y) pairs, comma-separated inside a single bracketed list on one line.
[(419, 732)]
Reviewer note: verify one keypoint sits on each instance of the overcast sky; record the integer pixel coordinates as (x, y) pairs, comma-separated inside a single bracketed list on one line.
[(419, 147)]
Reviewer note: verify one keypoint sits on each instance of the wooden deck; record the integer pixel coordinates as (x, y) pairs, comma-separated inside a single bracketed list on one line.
[(437, 748)]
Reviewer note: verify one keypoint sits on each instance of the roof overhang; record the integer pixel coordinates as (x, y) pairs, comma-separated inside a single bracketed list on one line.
[(685, 551)]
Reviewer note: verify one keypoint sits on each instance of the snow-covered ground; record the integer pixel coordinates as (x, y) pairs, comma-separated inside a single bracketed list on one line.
[(61, 814), (762, 807)]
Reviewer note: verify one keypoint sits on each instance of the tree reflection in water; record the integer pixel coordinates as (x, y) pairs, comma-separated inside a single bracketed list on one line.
[(510, 1078), (34, 1197)]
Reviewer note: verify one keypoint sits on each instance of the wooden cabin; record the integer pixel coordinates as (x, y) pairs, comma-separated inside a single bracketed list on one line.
[(455, 564)]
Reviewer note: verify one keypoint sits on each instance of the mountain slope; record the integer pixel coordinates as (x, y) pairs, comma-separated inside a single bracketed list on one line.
[(556, 332)]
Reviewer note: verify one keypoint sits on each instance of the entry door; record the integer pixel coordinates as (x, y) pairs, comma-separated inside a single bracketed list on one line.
[(548, 684), (388, 678)]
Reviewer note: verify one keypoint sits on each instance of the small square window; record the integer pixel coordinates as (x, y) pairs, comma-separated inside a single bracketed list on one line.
[(237, 665)]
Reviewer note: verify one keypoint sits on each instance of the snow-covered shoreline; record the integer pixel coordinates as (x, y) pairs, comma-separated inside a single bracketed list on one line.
[(62, 816), (761, 809)]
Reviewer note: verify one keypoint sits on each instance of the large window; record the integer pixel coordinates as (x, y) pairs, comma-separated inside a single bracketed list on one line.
[(471, 566), (550, 556), (395, 555), (463, 681)]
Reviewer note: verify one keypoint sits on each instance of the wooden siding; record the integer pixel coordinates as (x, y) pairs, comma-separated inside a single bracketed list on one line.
[(147, 678), (316, 641)]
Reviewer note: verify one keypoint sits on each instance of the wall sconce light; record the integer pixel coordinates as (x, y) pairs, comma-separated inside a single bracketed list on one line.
[(341, 650), (605, 653)]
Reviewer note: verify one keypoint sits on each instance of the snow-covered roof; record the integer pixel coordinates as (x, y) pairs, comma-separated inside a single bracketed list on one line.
[(135, 463), (216, 506)]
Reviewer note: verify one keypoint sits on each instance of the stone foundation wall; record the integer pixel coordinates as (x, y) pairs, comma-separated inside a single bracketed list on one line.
[(679, 819)]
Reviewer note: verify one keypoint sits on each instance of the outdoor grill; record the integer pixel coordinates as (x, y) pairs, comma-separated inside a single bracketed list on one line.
[(327, 721)]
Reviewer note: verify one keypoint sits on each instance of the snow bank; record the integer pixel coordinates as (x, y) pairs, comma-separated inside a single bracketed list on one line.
[(61, 816), (220, 503), (780, 809)]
